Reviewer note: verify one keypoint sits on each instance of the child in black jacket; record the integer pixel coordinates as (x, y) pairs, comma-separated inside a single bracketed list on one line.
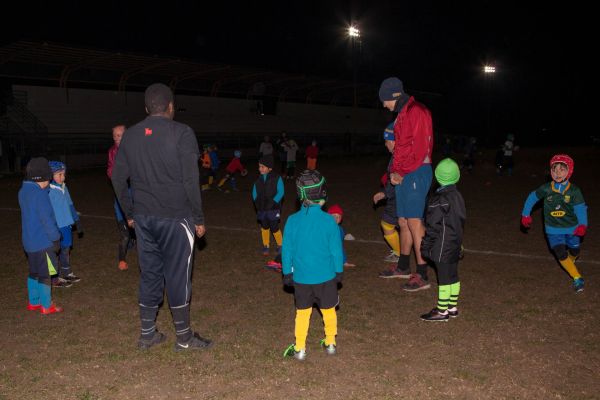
[(444, 222)]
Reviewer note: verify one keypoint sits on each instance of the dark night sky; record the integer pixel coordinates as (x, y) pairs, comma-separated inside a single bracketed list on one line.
[(437, 46)]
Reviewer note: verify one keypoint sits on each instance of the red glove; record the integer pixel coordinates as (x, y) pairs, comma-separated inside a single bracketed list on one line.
[(580, 230), (526, 221)]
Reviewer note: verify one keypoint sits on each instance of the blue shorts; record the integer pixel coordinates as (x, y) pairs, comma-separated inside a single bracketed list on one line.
[(411, 194), (571, 241)]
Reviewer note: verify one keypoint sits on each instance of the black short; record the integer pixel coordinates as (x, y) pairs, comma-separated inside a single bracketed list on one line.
[(389, 212), (324, 295)]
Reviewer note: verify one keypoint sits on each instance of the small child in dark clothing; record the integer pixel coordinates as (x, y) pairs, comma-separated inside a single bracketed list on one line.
[(444, 221), (267, 194)]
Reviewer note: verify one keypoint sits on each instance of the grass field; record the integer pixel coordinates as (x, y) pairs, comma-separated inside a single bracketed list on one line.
[(522, 332)]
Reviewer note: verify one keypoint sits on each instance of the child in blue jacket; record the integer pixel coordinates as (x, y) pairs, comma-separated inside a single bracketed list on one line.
[(312, 262), (40, 235), (66, 217)]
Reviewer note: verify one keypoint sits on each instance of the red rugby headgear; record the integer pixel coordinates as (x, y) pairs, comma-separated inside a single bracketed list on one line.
[(335, 209), (565, 159)]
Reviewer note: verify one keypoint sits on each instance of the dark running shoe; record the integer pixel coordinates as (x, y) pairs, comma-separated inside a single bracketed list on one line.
[(145, 344), (290, 351), (435, 315), (72, 278), (394, 273), (453, 312), (197, 342), (578, 285), (330, 349), (416, 283), (61, 283)]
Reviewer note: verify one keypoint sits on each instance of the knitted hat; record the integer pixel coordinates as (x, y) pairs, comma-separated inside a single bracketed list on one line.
[(38, 170), (390, 89), (56, 166), (267, 161), (447, 172), (388, 133), (311, 185), (565, 159), (336, 209)]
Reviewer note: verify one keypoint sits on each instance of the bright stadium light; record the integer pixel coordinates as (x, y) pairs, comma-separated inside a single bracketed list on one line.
[(353, 31), (489, 69)]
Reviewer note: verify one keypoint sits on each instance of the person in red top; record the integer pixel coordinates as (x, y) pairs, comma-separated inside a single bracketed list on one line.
[(312, 152), (410, 173), (235, 165), (127, 234)]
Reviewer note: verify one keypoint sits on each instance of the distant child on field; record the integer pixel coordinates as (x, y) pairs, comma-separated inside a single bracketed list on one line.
[(313, 263), (214, 163), (40, 235), (267, 194), (205, 167), (565, 215), (389, 219), (338, 214), (234, 166), (444, 221), (312, 152), (66, 217)]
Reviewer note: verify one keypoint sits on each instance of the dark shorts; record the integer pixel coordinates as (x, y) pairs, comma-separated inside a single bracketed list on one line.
[(389, 212), (269, 219), (42, 264), (324, 295), (411, 194)]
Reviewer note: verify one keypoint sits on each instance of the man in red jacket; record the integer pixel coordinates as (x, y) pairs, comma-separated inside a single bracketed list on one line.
[(411, 174)]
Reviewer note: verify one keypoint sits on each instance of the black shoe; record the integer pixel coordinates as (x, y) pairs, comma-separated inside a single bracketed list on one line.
[(453, 312), (72, 278), (196, 342), (145, 344), (436, 316)]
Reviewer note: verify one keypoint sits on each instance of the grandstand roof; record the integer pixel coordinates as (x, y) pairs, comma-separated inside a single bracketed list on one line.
[(73, 66)]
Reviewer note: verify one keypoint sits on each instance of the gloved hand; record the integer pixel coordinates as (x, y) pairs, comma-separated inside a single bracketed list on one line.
[(56, 246), (339, 276), (580, 230), (526, 221), (79, 228), (288, 280)]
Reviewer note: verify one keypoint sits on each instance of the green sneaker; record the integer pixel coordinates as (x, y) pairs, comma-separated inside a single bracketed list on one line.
[(578, 285), (290, 351), (329, 349)]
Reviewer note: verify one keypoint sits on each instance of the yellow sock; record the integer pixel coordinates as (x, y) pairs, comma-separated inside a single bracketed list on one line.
[(570, 267), (277, 236), (205, 186), (330, 322), (301, 330), (392, 239), (265, 233), (221, 182), (210, 180)]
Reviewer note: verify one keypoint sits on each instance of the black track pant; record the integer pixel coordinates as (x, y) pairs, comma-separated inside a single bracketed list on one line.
[(166, 256)]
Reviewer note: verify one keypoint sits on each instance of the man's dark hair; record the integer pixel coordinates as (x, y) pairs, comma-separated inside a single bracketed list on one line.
[(157, 98)]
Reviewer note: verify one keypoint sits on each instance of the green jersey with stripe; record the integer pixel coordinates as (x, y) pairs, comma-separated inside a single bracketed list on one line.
[(559, 208)]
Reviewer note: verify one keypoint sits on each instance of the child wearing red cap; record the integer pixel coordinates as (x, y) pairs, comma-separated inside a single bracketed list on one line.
[(565, 215), (337, 213)]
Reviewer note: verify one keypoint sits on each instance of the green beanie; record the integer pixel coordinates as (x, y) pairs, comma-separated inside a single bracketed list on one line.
[(447, 172)]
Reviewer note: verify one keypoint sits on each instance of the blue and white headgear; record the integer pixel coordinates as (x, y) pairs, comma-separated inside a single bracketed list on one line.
[(56, 166), (237, 153)]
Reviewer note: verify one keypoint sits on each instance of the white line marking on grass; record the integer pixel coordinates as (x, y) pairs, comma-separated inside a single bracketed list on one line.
[(473, 251)]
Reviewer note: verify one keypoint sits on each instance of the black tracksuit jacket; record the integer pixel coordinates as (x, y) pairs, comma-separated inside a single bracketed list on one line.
[(444, 221)]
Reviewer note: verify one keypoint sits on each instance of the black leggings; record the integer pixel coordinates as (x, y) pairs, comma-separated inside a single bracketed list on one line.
[(447, 273)]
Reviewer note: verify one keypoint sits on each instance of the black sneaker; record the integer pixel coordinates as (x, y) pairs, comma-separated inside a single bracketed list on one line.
[(436, 316), (145, 344), (61, 283), (197, 342), (72, 278), (453, 312)]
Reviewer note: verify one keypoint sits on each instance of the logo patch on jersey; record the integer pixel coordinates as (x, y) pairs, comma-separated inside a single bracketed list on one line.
[(567, 198), (558, 213), (148, 132)]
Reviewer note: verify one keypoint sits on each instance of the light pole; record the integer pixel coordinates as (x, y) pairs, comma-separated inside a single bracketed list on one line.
[(488, 73), (354, 35)]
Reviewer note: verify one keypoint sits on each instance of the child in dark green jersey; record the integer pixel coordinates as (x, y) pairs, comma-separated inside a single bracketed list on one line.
[(565, 215)]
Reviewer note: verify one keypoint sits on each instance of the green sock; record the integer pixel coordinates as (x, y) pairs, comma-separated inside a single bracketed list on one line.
[(443, 297), (454, 292)]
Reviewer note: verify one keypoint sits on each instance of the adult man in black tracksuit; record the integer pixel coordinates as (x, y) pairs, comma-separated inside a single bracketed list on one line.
[(159, 157)]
